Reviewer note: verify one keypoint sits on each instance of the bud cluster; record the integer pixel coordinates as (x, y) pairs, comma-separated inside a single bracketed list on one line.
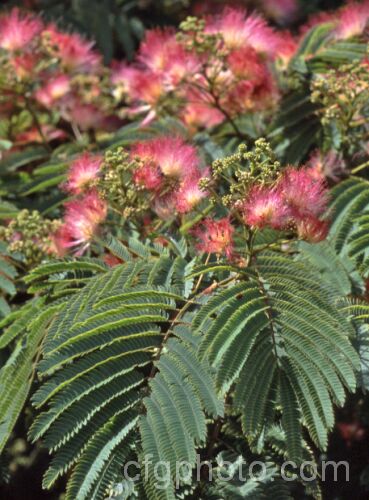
[(194, 38), (29, 234), (341, 95), (115, 182), (246, 168)]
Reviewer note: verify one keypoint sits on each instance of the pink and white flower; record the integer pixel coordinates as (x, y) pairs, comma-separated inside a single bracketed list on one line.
[(266, 206), (172, 155), (82, 172), (189, 195), (81, 221), (215, 236), (352, 20), (303, 192), (74, 52), (240, 30), (18, 30), (53, 90)]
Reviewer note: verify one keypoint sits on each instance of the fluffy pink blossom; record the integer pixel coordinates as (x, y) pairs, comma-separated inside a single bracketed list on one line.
[(352, 20), (170, 169), (33, 135), (189, 195), (172, 155), (74, 52), (253, 88), (17, 30), (162, 54), (261, 37), (149, 176), (53, 90), (298, 199), (24, 64), (81, 221), (85, 116), (287, 49), (138, 84), (83, 170), (215, 236), (231, 24), (265, 206), (245, 63), (349, 21), (122, 75), (305, 195), (239, 30), (148, 87), (142, 89), (198, 114), (156, 47)]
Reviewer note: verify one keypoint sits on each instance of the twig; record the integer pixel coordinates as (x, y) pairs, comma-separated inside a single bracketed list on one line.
[(37, 124), (360, 167)]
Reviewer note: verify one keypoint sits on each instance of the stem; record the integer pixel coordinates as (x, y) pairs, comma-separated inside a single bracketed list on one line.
[(76, 132), (360, 167), (166, 336), (37, 124), (250, 243), (218, 106), (177, 316), (268, 310), (228, 117), (188, 225)]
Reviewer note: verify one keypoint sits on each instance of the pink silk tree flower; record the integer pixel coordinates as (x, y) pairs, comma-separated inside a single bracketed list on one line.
[(17, 30), (265, 206), (199, 114), (149, 177), (189, 195), (82, 172), (53, 90), (352, 20), (81, 221), (239, 29), (160, 52), (24, 64), (215, 236), (74, 52), (303, 192), (171, 154)]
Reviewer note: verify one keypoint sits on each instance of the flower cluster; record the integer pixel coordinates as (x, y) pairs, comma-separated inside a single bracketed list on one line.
[(215, 236), (86, 212), (81, 221), (298, 200), (342, 95), (55, 77), (213, 69), (29, 234), (170, 170), (83, 172), (283, 12), (349, 21)]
